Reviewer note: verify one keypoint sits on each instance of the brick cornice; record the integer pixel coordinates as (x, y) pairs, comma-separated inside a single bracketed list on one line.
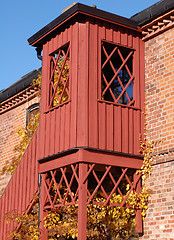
[(18, 99), (158, 25)]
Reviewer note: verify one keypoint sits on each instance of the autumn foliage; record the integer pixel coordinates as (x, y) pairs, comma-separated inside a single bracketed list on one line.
[(103, 222)]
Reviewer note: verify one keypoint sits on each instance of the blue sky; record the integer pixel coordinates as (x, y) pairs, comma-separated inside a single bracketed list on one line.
[(20, 19)]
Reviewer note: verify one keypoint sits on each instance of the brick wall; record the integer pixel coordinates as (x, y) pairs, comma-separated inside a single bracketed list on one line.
[(10, 121), (159, 80)]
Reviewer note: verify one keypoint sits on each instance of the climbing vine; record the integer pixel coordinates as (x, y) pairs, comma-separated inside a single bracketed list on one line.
[(103, 222)]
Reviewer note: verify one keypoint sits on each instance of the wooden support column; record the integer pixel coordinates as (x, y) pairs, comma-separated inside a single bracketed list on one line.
[(138, 216), (43, 231), (82, 206)]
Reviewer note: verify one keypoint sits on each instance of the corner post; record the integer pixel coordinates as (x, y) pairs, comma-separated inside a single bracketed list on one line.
[(138, 216), (82, 203), (43, 231)]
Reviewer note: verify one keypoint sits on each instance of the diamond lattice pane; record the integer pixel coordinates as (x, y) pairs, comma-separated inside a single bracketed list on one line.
[(61, 187), (117, 74), (59, 77), (110, 185)]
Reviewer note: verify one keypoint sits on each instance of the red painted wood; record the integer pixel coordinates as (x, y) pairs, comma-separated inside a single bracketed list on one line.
[(110, 127), (136, 64), (142, 87), (109, 32), (62, 128), (82, 155), (117, 35), (6, 210), (102, 126), (82, 111), (138, 217), (43, 231), (130, 40), (29, 176), (131, 131), (124, 37), (16, 196), (67, 126), (118, 129), (57, 125), (73, 84), (125, 130), (93, 87), (85, 120), (82, 207)]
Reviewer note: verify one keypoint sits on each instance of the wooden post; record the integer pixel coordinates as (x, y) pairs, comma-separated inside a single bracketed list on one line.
[(138, 216), (82, 206), (43, 231)]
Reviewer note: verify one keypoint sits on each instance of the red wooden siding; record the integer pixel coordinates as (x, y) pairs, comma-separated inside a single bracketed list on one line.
[(21, 188), (86, 120)]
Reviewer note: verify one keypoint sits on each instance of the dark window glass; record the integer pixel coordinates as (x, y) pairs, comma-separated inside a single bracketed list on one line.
[(117, 74)]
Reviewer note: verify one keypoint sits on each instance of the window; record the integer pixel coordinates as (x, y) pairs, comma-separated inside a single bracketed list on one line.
[(117, 74), (59, 77), (31, 112)]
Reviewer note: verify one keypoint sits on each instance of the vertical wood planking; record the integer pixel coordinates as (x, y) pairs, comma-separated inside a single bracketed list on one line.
[(109, 32), (35, 165), (33, 159), (136, 69), (25, 180), (29, 163), (137, 114), (62, 128), (125, 130), (142, 86), (82, 112), (102, 126), (101, 106), (1, 216), (67, 126), (130, 39), (117, 128), (2, 200), (116, 35), (93, 79), (57, 130), (21, 184), (124, 38), (73, 85), (109, 127), (6, 210), (19, 191), (44, 102), (131, 131), (52, 132)]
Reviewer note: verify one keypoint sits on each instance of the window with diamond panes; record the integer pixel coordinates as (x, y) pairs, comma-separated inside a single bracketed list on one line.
[(117, 74), (59, 77)]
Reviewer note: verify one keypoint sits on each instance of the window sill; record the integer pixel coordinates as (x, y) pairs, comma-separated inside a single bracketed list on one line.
[(118, 104), (60, 105)]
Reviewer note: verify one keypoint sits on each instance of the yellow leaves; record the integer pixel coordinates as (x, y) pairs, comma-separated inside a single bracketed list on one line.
[(37, 82), (28, 223), (25, 135), (62, 81)]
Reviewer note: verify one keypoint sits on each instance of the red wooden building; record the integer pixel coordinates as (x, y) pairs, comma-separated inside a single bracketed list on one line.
[(92, 101)]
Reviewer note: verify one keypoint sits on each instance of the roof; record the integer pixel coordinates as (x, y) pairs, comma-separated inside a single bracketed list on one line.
[(153, 11), (18, 86), (79, 8)]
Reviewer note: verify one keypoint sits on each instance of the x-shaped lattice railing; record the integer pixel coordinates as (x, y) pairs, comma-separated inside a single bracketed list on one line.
[(50, 184), (59, 200), (63, 56), (115, 183), (116, 73)]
